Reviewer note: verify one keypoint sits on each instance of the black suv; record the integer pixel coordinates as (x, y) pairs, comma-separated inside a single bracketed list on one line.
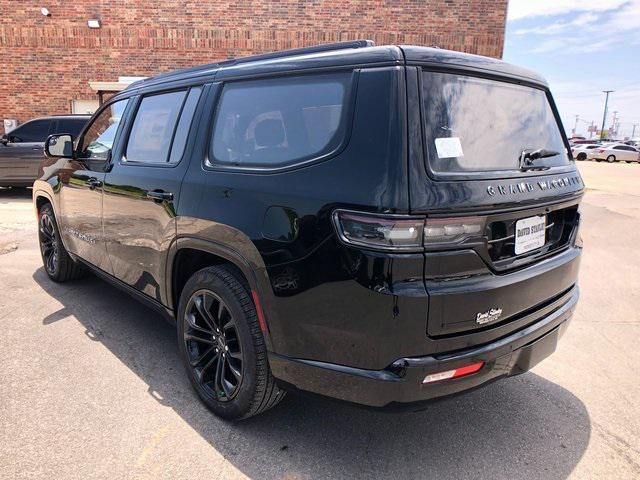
[(379, 224), (21, 150)]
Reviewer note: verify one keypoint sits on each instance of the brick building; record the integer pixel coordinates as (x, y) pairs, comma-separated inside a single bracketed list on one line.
[(55, 63)]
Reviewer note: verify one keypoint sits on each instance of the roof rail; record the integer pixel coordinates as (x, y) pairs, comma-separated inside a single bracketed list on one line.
[(325, 47)]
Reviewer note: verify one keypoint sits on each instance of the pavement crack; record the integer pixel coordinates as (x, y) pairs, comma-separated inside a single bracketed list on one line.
[(8, 247)]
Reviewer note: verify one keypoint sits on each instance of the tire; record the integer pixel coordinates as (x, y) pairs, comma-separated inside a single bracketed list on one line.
[(611, 158), (57, 262), (215, 298), (629, 161), (581, 156)]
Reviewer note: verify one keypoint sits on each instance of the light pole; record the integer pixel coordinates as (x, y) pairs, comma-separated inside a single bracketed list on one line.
[(633, 135), (575, 127), (604, 115)]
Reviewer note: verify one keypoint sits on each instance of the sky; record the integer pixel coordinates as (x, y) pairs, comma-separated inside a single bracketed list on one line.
[(581, 47)]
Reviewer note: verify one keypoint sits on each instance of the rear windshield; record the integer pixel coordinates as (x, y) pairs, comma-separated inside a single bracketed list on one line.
[(478, 125)]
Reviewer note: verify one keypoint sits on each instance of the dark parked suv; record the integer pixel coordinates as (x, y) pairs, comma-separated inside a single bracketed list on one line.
[(21, 150), (382, 225)]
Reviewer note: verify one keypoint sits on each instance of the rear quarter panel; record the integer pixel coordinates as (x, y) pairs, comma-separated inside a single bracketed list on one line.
[(281, 222)]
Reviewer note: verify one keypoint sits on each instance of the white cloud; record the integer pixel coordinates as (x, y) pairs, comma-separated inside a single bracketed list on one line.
[(519, 9), (595, 30), (573, 46), (559, 27), (584, 19), (625, 19)]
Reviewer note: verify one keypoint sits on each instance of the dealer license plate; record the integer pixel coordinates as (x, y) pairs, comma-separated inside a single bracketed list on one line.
[(530, 234)]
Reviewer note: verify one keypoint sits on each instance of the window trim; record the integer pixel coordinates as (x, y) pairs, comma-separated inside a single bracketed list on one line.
[(132, 118), (488, 174), (323, 155)]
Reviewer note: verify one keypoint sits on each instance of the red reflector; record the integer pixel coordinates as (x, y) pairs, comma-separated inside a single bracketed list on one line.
[(259, 312), (455, 373), (469, 369)]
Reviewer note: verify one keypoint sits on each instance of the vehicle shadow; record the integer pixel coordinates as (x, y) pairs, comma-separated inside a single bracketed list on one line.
[(8, 194), (524, 427)]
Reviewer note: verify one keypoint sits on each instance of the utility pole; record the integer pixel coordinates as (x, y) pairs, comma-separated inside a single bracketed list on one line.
[(591, 129), (604, 116), (633, 135), (575, 127), (614, 124)]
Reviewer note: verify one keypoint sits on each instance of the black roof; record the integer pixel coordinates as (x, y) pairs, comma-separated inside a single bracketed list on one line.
[(69, 115), (347, 54)]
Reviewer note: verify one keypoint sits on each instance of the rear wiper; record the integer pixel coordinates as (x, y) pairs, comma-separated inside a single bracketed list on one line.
[(528, 157)]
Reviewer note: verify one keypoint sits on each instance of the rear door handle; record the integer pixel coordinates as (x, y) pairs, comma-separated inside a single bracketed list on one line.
[(93, 183), (160, 196)]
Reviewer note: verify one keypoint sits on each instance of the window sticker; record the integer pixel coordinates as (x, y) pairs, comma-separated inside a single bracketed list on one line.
[(449, 147)]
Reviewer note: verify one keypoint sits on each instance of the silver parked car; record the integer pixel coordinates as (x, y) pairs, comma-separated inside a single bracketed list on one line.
[(21, 150), (615, 152), (579, 152)]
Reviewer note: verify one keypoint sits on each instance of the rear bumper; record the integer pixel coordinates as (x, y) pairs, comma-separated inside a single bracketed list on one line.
[(401, 382)]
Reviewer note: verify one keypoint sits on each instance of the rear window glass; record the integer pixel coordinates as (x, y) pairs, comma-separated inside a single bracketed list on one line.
[(33, 131), (153, 128), (478, 125), (71, 125), (277, 122)]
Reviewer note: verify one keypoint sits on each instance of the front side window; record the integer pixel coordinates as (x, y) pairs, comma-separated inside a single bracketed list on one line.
[(31, 132), (99, 138), (153, 128), (479, 125), (278, 122)]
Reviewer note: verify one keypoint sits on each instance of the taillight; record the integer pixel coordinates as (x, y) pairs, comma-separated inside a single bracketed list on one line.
[(407, 233), (385, 232), (454, 230)]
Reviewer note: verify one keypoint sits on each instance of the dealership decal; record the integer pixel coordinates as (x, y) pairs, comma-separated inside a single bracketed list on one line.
[(524, 187), (488, 316)]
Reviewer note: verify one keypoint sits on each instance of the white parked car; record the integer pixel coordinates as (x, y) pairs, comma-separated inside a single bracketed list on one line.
[(579, 152), (615, 152)]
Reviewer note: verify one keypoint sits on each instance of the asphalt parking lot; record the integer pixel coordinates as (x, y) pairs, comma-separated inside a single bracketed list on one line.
[(91, 385)]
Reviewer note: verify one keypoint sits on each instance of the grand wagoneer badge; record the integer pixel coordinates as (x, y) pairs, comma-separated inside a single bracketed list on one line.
[(523, 187)]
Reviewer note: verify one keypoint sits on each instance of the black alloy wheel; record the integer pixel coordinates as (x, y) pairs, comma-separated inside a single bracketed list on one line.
[(212, 344), (49, 243), (222, 345), (58, 264)]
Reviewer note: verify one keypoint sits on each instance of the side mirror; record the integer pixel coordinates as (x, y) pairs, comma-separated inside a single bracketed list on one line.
[(4, 139), (59, 146)]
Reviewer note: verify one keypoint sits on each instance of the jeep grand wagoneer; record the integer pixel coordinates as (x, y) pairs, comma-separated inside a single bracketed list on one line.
[(379, 224)]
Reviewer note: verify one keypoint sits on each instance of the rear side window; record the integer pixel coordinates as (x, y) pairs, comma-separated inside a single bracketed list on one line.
[(34, 131), (153, 128), (278, 122), (479, 125)]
